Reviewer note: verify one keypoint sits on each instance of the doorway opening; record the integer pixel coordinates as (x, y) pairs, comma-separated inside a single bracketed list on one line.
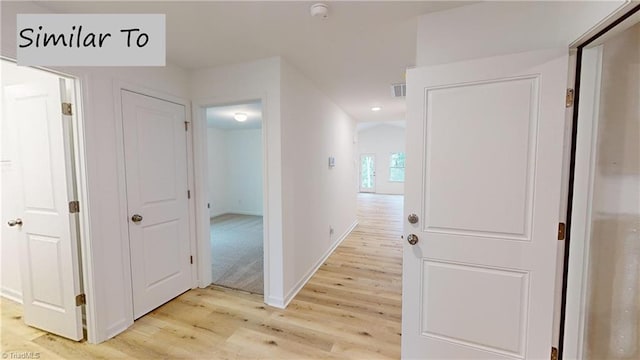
[(235, 182)]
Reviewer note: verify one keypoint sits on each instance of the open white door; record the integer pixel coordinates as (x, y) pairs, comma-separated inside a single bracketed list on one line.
[(155, 144), (484, 155), (45, 227)]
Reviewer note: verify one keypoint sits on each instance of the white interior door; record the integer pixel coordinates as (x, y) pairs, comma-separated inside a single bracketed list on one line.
[(42, 223), (484, 177), (156, 172), (367, 173)]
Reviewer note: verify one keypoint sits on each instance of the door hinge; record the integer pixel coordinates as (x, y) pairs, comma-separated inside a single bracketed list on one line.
[(561, 231), (554, 353), (191, 259), (81, 299), (66, 109), (74, 207), (569, 98), (186, 126), (188, 194)]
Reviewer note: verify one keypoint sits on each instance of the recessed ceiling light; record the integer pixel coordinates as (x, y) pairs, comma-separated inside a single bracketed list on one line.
[(240, 117), (376, 108)]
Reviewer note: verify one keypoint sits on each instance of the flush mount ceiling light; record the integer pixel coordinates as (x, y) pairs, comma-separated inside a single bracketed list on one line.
[(321, 10), (240, 117), (376, 108)]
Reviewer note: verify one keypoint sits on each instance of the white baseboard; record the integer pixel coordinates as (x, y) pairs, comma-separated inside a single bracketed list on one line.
[(276, 302), (214, 214), (11, 295), (239, 212), (243, 212), (283, 303)]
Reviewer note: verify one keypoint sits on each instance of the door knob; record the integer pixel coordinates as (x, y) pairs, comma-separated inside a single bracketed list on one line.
[(15, 222), (136, 218), (413, 218), (412, 239)]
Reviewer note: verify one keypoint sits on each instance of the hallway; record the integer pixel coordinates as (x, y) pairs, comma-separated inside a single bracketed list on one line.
[(351, 308)]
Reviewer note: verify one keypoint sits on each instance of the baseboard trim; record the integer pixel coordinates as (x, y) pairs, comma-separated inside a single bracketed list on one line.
[(305, 279), (276, 302), (241, 212), (11, 295), (231, 212), (214, 214), (116, 329)]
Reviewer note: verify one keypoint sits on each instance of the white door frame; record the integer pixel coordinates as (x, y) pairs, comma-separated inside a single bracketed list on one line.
[(118, 86), (200, 143), (585, 138)]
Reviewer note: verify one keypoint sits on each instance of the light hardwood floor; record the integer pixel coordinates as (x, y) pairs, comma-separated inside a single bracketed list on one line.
[(350, 309)]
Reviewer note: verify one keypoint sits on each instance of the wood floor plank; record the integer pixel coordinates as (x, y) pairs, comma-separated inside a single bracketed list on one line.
[(350, 309)]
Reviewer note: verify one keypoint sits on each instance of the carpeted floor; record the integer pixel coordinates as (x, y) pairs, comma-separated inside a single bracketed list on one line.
[(236, 251)]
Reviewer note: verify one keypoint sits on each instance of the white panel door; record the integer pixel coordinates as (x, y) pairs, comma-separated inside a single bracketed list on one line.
[(156, 171), (483, 175), (45, 228)]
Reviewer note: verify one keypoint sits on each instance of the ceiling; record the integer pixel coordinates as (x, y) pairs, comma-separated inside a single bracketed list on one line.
[(222, 117), (353, 56)]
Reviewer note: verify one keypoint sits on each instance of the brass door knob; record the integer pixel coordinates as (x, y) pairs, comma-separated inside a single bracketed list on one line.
[(412, 239), (136, 218), (15, 222)]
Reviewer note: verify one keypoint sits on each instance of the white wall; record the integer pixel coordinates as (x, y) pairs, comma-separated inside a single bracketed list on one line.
[(107, 238), (250, 81), (316, 196), (217, 171), (245, 171), (235, 171), (497, 28), (382, 140)]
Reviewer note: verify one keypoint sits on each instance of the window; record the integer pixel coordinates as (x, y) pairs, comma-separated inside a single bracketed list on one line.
[(396, 168)]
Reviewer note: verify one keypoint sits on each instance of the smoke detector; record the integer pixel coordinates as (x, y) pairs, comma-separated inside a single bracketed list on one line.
[(321, 10)]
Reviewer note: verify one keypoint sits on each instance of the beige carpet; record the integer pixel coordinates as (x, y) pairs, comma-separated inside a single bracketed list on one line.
[(236, 252)]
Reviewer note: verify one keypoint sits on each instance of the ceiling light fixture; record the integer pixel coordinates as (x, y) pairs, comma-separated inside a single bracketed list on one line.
[(376, 108), (319, 9), (240, 117)]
